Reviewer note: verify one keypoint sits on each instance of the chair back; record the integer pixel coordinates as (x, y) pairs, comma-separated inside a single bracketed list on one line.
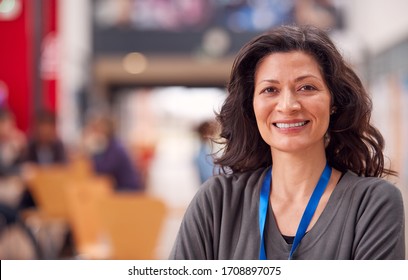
[(133, 224), (84, 220), (47, 185)]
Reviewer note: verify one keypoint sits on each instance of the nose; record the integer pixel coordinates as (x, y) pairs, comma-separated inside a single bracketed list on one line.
[(288, 102)]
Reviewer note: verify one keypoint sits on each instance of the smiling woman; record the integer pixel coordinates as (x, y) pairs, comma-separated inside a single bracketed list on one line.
[(304, 162), (292, 103)]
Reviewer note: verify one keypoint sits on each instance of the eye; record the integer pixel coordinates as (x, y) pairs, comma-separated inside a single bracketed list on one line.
[(269, 90), (307, 88)]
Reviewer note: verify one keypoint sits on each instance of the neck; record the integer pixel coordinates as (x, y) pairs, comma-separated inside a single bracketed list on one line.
[(295, 176)]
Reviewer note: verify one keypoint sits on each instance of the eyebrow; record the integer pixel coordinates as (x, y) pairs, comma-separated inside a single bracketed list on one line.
[(300, 78)]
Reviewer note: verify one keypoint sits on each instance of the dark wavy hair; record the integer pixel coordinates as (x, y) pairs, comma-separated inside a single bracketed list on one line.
[(354, 144)]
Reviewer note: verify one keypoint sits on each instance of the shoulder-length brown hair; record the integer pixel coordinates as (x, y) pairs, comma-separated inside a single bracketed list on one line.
[(354, 144)]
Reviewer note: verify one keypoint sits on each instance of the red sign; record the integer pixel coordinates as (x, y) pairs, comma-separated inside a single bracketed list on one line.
[(16, 57), (17, 50)]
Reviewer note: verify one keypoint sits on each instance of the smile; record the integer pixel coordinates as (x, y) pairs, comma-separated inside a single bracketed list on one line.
[(290, 125)]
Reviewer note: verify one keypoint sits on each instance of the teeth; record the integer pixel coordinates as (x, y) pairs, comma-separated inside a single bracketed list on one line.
[(289, 125)]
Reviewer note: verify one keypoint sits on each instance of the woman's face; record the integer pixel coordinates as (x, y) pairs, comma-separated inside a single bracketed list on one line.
[(291, 102)]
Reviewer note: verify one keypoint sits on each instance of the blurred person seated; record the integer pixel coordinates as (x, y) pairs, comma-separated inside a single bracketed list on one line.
[(12, 149), (45, 147), (108, 154), (12, 145)]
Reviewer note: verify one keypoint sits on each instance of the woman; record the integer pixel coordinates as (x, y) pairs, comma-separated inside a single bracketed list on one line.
[(297, 133)]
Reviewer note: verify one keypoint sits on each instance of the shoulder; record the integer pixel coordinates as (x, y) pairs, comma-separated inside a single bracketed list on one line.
[(31, 143), (115, 146), (376, 209), (372, 185), (229, 191), (374, 191), (233, 183), (58, 142)]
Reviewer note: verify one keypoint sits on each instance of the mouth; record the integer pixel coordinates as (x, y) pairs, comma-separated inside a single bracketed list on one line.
[(290, 125)]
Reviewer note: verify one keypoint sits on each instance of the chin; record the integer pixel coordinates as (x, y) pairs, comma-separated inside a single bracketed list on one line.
[(291, 147)]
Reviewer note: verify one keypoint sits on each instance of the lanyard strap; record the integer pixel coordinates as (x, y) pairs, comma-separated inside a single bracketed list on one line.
[(307, 214)]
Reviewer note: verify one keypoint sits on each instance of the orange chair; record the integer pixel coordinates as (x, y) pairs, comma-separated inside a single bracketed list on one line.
[(50, 218), (50, 187), (133, 223), (47, 185), (84, 219), (81, 166)]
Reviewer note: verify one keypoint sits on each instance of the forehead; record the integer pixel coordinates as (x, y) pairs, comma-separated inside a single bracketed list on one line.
[(288, 64)]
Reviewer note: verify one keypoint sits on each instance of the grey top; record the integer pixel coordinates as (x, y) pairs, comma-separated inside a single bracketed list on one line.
[(363, 219)]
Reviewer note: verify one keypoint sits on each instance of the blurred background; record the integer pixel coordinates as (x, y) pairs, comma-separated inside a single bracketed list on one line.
[(106, 107)]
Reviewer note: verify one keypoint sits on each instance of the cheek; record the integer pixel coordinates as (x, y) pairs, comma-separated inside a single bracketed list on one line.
[(318, 106), (260, 109), (323, 116)]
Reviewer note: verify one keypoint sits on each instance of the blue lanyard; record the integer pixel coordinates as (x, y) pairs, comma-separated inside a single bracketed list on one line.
[(307, 215)]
